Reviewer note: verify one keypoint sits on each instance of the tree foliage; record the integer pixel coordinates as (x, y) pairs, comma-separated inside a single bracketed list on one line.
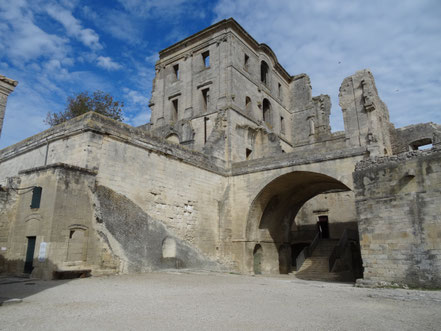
[(81, 103)]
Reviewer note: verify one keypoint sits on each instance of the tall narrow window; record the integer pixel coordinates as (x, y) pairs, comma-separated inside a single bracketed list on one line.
[(279, 90), (206, 59), (176, 71), (282, 125), (247, 104), (246, 62), (264, 70), (266, 111), (36, 197), (206, 119), (175, 110), (205, 99)]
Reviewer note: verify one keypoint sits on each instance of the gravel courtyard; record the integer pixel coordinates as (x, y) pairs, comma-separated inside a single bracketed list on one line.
[(211, 301)]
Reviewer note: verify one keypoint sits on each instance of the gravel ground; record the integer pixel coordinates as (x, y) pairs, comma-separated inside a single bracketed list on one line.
[(211, 301)]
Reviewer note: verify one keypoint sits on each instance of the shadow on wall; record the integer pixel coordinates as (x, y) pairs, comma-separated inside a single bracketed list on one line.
[(143, 243)]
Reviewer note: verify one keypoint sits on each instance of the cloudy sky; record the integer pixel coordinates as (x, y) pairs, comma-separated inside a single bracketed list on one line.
[(56, 48)]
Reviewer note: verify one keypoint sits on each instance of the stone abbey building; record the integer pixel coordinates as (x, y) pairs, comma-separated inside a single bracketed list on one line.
[(238, 170)]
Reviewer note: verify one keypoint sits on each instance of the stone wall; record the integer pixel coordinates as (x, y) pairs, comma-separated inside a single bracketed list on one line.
[(398, 202)]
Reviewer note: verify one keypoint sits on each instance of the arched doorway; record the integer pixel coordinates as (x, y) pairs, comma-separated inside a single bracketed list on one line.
[(272, 220)]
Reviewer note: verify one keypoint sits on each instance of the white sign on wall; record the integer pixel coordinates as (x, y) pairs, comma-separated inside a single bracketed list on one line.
[(42, 252)]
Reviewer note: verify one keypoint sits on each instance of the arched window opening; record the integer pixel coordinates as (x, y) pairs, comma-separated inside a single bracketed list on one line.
[(168, 248), (173, 138), (264, 70), (266, 109), (247, 104), (76, 244), (258, 257), (425, 143)]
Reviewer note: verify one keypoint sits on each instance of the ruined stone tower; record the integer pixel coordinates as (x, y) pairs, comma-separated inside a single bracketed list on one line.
[(7, 86)]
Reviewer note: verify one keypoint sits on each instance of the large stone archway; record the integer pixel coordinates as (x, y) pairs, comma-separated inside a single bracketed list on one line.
[(274, 209)]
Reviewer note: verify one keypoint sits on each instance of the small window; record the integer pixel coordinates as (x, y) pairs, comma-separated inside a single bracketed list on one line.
[(279, 90), (282, 125), (175, 110), (206, 59), (266, 111), (246, 62), (205, 99), (248, 104), (36, 197), (264, 70), (176, 71), (248, 153), (206, 119)]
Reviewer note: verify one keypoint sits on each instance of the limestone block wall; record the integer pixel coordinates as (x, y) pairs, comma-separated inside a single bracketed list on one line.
[(338, 207), (183, 197), (62, 222), (398, 202)]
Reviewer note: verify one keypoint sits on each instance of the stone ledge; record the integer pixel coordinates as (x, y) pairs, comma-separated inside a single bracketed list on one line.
[(385, 160), (292, 159), (63, 166), (93, 122)]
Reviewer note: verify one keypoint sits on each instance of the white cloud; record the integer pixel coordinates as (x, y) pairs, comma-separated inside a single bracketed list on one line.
[(22, 40), (73, 26), (330, 40), (107, 63)]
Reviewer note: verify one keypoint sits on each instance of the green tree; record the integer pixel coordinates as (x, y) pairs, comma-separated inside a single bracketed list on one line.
[(81, 103)]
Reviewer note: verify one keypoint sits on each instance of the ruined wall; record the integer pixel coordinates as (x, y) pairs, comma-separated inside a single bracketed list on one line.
[(365, 116), (413, 136), (398, 202)]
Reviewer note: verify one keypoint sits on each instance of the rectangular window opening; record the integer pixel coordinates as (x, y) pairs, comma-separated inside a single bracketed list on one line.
[(206, 59), (205, 99), (36, 197), (248, 153), (176, 71), (246, 62), (279, 90), (206, 119), (175, 110), (282, 125)]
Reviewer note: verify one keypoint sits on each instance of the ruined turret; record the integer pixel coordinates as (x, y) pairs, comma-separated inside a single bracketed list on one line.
[(7, 86)]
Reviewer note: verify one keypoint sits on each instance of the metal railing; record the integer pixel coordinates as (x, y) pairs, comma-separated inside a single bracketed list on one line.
[(307, 251), (339, 249)]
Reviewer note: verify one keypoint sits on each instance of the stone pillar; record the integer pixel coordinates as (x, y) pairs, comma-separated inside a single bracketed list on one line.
[(6, 87)]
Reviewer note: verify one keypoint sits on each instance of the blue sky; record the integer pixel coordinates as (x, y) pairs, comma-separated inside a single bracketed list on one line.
[(60, 47)]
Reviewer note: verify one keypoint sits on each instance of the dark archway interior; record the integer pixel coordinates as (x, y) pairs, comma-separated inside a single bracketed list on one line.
[(277, 205), (283, 198)]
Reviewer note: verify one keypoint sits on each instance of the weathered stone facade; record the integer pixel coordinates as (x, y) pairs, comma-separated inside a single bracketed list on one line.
[(238, 170)]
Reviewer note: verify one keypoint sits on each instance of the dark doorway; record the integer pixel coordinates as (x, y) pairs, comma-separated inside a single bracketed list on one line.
[(29, 255), (257, 254), (323, 227)]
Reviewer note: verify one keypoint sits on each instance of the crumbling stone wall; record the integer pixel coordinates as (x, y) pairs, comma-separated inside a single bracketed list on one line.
[(398, 202)]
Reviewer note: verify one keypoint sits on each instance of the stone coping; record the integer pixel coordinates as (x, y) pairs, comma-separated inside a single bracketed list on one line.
[(293, 159), (8, 80), (59, 165), (402, 157), (102, 125)]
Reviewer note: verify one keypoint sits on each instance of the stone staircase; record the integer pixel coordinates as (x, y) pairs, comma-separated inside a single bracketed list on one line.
[(316, 267)]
